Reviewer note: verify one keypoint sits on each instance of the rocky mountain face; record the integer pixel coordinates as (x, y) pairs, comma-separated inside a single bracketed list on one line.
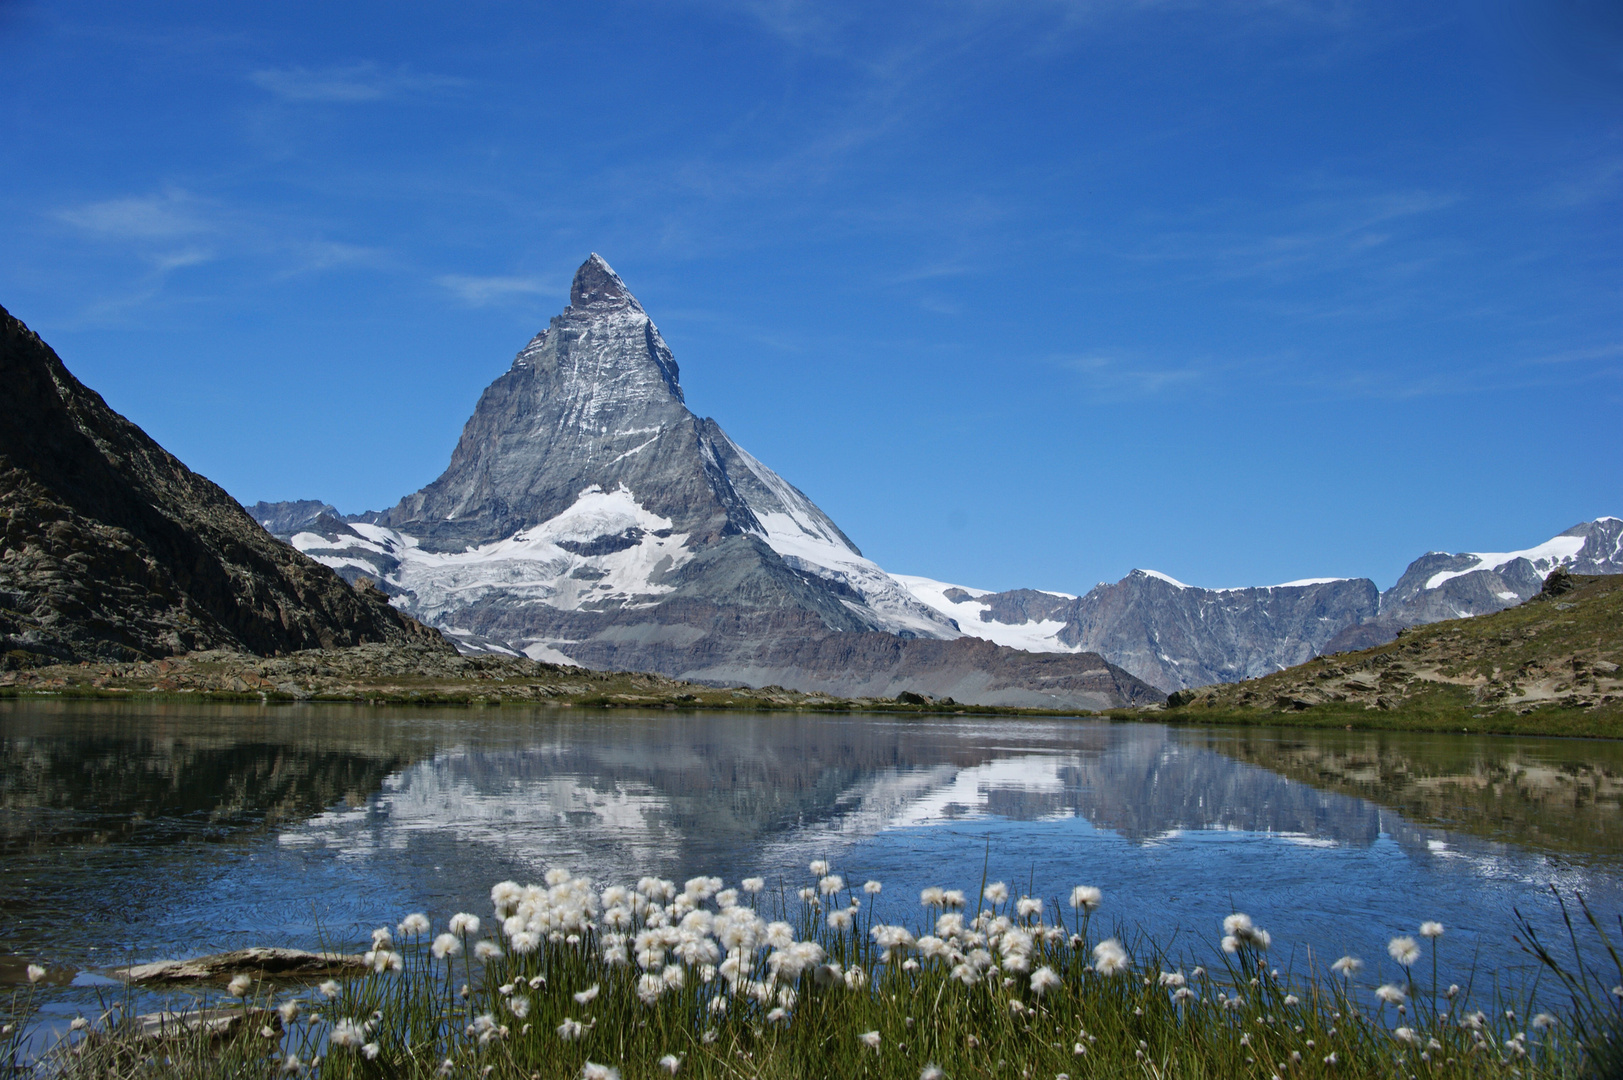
[(1559, 653), (588, 516), (1176, 636), (1167, 633), (111, 549), (1439, 586)]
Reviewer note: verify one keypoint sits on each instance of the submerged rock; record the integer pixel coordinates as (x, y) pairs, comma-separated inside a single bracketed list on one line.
[(254, 961), (219, 1024)]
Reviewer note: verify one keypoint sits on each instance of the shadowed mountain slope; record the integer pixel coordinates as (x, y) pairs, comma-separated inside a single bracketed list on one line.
[(111, 549)]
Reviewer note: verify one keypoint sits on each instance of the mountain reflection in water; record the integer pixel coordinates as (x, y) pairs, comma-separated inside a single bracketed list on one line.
[(340, 818)]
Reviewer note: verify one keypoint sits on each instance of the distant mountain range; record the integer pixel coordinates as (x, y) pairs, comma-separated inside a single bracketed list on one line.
[(587, 516), (1176, 636)]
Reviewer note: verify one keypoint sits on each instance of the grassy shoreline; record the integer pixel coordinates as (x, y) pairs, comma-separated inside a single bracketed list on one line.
[(1551, 721), (655, 980)]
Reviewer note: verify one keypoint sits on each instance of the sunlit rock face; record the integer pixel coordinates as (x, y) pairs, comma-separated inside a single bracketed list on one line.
[(588, 516), (1176, 636)]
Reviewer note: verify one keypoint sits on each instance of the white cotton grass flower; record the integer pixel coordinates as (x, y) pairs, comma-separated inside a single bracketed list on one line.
[(996, 893), (1391, 993), (239, 986), (505, 897), (487, 950), (519, 1006), (934, 896), (329, 989), (347, 1034), (371, 1050), (1086, 898), (1542, 1022), (381, 938), (1347, 966), (1045, 979), (818, 867), (593, 1071), (414, 925), (952, 898), (586, 996), (571, 1029), (464, 923), (288, 1010), (1431, 929), (293, 1064), (752, 884), (1027, 906), (35, 973), (830, 884), (932, 1071), (1109, 958), (1405, 950), (870, 1039), (446, 945), (670, 1063), (872, 888)]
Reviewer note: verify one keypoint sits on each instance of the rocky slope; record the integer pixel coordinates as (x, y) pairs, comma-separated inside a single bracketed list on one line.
[(587, 516), (1440, 586), (1563, 649), (111, 549)]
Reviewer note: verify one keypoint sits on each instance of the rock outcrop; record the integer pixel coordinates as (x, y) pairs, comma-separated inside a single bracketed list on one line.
[(111, 549)]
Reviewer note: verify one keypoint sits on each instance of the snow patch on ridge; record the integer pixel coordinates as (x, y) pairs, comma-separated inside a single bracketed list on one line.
[(1557, 551), (805, 539), (1030, 636)]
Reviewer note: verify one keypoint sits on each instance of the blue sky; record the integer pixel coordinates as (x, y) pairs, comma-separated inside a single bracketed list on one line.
[(1023, 294)]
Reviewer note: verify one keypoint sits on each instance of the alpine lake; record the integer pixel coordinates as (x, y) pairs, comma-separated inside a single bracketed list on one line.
[(141, 831)]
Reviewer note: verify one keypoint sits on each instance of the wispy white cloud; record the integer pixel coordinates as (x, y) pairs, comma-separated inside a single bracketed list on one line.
[(483, 291), (351, 83), (168, 216), (1310, 233), (1119, 375)]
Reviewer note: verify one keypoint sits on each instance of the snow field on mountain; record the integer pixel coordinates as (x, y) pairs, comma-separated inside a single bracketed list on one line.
[(1545, 557), (1030, 636), (529, 565), (807, 540)]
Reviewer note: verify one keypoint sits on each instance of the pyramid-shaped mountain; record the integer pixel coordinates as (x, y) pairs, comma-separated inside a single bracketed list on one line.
[(587, 515)]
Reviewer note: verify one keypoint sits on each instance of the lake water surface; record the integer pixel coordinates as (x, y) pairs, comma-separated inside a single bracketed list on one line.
[(133, 832)]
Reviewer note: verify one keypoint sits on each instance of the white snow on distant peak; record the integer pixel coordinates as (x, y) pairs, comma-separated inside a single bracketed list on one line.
[(1309, 581), (1554, 552), (1030, 636), (1164, 577), (808, 541)]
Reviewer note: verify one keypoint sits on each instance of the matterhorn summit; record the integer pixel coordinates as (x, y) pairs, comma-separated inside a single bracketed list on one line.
[(588, 516)]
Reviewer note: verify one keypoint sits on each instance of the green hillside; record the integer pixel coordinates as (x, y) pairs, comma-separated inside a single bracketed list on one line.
[(1548, 666)]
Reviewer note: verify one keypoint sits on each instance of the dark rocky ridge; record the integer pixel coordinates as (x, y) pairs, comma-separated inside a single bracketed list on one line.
[(111, 549)]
